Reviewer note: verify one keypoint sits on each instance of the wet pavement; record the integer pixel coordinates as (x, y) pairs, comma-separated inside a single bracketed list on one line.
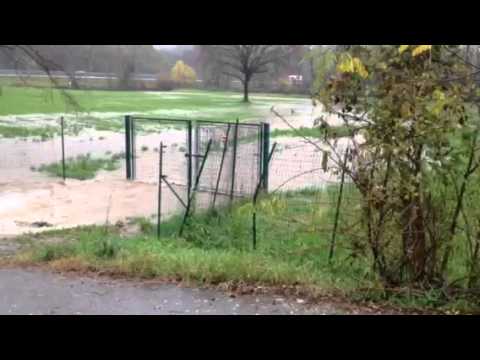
[(34, 292)]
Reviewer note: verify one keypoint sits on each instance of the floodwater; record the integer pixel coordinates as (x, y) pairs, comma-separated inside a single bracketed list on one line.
[(28, 196), (31, 292)]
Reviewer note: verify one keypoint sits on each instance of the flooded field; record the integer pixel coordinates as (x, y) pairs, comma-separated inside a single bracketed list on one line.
[(29, 197)]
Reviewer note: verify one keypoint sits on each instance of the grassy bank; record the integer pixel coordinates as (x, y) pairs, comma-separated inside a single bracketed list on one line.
[(292, 251)]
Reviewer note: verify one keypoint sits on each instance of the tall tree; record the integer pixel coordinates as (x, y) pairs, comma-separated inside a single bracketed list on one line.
[(244, 61)]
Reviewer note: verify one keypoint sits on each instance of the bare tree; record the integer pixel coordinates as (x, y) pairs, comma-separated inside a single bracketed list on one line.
[(244, 61)]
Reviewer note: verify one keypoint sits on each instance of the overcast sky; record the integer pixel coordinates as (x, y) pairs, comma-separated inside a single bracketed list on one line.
[(171, 47), (165, 46)]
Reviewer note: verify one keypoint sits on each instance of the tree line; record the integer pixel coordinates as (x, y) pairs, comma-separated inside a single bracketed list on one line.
[(215, 65)]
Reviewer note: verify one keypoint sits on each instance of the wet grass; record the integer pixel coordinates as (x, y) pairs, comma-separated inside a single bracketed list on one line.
[(208, 105), (216, 247), (82, 167), (144, 256), (104, 110)]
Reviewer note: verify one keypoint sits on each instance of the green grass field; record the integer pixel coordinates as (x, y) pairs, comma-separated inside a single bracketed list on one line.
[(104, 110), (211, 105)]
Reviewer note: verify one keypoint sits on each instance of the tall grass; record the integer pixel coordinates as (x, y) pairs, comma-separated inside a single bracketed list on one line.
[(216, 247), (292, 249)]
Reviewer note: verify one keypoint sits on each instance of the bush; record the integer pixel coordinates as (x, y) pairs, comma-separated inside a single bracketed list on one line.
[(182, 73)]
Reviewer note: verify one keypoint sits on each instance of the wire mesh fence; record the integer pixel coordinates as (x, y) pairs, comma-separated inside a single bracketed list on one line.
[(192, 165), (303, 190), (233, 166), (306, 202)]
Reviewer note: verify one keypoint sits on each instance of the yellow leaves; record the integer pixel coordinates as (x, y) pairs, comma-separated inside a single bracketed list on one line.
[(421, 49), (353, 66), (402, 48), (183, 73), (439, 95), (346, 65), (360, 68), (439, 102)]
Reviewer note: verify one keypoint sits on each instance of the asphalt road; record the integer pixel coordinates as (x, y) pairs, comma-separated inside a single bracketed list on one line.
[(34, 292)]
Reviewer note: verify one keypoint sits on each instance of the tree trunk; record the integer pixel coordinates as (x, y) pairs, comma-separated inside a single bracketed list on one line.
[(245, 89), (90, 58), (414, 229), (413, 234)]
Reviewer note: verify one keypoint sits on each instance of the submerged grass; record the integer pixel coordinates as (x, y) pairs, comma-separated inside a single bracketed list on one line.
[(43, 133), (82, 167)]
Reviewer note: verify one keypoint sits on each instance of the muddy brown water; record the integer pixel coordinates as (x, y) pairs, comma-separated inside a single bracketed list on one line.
[(110, 198), (28, 197), (33, 292)]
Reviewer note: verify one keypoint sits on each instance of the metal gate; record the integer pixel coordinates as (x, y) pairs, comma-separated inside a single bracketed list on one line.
[(236, 158), (234, 164)]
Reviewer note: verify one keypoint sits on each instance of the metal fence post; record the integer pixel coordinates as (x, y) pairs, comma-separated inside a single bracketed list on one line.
[(337, 211), (160, 178), (189, 160), (128, 147), (134, 150), (265, 153), (255, 197), (63, 148), (234, 160)]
